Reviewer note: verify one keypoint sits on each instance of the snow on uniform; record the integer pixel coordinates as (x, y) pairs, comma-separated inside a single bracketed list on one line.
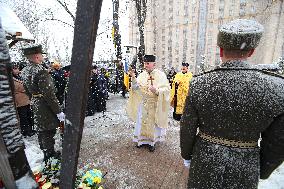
[(226, 111), (39, 86)]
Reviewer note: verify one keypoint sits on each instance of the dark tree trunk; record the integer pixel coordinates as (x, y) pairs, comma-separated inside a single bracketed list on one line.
[(141, 15), (86, 26)]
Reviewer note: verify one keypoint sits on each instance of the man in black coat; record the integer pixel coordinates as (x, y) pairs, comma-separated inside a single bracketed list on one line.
[(59, 81), (226, 112), (97, 93)]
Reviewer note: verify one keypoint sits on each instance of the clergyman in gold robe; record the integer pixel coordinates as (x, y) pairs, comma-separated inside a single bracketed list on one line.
[(179, 91), (148, 104)]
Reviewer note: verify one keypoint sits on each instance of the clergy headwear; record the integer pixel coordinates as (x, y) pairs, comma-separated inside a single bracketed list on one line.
[(149, 58), (240, 34), (33, 50), (185, 64)]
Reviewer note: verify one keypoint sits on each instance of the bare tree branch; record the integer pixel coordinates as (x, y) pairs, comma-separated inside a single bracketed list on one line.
[(54, 19), (64, 5)]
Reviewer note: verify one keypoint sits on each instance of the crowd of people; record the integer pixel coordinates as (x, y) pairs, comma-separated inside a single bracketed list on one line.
[(222, 112)]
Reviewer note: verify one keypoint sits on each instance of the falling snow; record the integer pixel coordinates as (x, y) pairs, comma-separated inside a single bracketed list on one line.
[(107, 144)]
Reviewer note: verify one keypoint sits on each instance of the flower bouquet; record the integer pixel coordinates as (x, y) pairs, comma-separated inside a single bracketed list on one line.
[(48, 176), (91, 180)]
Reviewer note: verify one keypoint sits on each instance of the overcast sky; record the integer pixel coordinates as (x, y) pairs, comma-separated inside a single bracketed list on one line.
[(104, 44)]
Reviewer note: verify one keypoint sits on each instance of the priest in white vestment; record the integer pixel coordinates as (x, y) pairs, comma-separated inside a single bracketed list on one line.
[(148, 104)]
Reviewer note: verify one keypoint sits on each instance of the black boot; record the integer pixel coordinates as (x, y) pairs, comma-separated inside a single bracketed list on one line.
[(151, 148), (46, 156), (50, 153)]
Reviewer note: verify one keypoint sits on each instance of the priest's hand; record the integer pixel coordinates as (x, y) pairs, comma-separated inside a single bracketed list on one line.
[(131, 72), (153, 89)]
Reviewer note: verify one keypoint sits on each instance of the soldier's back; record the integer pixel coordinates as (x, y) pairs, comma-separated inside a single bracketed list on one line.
[(240, 102)]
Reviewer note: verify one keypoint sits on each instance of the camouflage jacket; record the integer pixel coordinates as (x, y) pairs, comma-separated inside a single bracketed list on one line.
[(39, 86)]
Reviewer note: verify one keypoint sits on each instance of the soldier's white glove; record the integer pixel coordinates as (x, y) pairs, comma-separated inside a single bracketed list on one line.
[(186, 163), (61, 116)]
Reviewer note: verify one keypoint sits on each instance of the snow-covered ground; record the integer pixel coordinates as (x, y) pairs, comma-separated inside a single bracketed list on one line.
[(117, 114)]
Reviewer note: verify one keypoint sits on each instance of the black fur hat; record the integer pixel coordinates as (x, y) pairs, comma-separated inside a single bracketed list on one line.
[(33, 50)]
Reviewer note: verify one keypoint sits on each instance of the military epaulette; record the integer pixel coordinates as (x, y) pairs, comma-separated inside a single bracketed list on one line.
[(202, 73), (272, 73)]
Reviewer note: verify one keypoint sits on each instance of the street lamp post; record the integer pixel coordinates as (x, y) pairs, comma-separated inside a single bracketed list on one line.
[(128, 47)]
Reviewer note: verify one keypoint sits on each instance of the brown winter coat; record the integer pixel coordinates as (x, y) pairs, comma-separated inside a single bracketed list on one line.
[(238, 103), (21, 98)]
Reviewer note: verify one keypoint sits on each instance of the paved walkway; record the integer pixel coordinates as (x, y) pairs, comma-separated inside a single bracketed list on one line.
[(107, 144)]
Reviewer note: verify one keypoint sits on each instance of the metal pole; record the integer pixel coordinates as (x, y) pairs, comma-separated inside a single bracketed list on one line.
[(117, 37), (201, 33)]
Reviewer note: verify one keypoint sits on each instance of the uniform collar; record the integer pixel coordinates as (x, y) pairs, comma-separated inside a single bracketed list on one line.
[(235, 64)]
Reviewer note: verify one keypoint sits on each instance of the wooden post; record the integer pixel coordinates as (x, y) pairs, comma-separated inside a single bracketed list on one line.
[(86, 25)]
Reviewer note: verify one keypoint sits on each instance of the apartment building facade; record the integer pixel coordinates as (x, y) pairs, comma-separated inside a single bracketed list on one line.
[(179, 31)]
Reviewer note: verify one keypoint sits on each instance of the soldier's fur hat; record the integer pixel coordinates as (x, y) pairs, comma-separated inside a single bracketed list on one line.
[(240, 34), (33, 50), (149, 58)]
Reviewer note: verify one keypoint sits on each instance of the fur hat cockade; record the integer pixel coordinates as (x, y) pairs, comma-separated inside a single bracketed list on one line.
[(240, 34)]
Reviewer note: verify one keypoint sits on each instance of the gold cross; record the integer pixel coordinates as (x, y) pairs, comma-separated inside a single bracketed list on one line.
[(151, 79)]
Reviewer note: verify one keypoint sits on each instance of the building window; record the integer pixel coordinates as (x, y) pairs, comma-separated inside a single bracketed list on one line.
[(220, 22), (184, 57), (253, 10), (243, 3), (186, 12), (242, 12)]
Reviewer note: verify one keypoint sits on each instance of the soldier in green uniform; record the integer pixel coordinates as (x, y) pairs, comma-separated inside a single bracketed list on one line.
[(227, 111), (39, 86)]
